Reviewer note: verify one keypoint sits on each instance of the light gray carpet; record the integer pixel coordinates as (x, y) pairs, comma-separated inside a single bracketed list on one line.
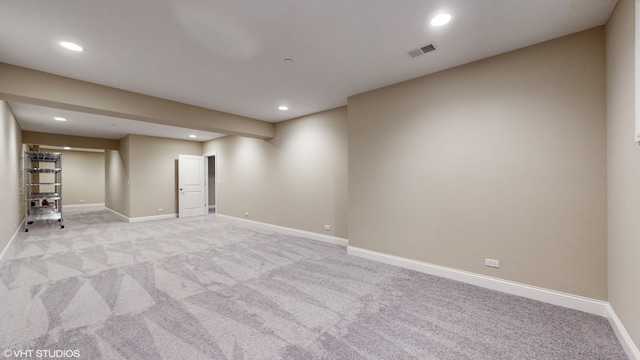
[(210, 288)]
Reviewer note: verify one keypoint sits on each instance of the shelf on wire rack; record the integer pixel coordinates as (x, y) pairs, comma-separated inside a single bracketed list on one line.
[(44, 170), (43, 156), (48, 196)]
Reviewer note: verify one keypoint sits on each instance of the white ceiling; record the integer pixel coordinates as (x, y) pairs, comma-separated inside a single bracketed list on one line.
[(229, 55)]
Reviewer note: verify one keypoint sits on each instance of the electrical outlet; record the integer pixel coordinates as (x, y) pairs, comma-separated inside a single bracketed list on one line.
[(492, 263), (327, 227), (81, 201), (246, 213), (160, 209)]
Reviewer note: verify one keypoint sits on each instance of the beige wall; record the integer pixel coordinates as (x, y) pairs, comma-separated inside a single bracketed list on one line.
[(153, 173), (298, 179), (83, 177), (623, 159), (117, 191), (503, 158), (12, 209)]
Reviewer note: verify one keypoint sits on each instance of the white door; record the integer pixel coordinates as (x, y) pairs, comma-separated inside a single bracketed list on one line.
[(191, 190)]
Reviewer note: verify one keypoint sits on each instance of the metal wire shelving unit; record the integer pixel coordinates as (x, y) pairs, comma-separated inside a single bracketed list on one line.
[(43, 205)]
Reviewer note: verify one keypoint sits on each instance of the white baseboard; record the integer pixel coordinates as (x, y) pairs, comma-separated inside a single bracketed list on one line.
[(575, 302), (143, 218), (302, 233), (152, 218), (82, 206), (124, 217), (621, 333), (588, 305), (15, 234)]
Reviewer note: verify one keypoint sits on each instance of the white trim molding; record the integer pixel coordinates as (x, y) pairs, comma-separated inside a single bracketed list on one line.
[(576, 302), (302, 233), (143, 218), (124, 217), (83, 206), (621, 333), (152, 218), (592, 306), (20, 228)]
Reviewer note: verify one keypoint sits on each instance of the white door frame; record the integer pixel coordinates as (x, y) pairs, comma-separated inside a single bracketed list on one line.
[(206, 174)]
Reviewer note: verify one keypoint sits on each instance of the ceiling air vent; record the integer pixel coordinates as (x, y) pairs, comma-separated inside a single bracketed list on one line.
[(421, 50)]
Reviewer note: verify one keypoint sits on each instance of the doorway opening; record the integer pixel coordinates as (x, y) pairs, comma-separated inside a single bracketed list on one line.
[(211, 184)]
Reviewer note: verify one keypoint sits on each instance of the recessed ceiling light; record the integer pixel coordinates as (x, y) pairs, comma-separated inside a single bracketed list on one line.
[(441, 19), (67, 148), (283, 107), (58, 118), (71, 46), (192, 136)]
